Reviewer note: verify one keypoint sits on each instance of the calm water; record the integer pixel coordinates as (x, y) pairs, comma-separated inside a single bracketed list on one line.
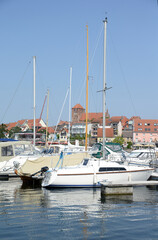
[(76, 214)]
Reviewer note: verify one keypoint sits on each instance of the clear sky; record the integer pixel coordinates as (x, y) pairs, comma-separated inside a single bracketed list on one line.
[(55, 32)]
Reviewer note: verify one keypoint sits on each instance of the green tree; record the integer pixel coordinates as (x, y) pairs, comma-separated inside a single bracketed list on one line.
[(119, 140), (129, 145), (14, 130), (3, 130), (44, 132)]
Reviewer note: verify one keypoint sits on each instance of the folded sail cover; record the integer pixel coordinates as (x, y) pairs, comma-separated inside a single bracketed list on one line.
[(32, 166)]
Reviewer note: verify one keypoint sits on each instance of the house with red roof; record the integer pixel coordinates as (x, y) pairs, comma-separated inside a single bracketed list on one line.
[(109, 134), (26, 124), (26, 127), (63, 135)]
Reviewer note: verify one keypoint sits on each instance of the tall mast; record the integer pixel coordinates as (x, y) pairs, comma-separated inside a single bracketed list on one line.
[(70, 103), (47, 116), (34, 97), (86, 96), (104, 86)]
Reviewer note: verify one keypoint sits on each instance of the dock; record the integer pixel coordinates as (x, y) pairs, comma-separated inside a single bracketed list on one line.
[(4, 176), (123, 188)]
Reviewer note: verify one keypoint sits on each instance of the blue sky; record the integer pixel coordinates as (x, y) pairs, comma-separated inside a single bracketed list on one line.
[(55, 32)]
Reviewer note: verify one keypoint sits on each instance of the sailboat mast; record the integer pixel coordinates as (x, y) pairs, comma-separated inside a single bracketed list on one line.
[(47, 117), (34, 102), (104, 86), (86, 96), (70, 103)]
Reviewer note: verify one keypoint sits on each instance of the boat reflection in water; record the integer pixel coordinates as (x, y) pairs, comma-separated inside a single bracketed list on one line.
[(13, 189), (62, 213)]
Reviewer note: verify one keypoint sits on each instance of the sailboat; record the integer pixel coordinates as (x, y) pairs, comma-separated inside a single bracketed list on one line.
[(91, 171)]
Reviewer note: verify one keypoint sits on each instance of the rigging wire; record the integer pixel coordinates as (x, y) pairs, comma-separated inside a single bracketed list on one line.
[(61, 110), (91, 61), (21, 79), (123, 75)]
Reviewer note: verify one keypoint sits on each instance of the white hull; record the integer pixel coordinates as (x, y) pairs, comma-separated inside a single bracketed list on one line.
[(90, 176)]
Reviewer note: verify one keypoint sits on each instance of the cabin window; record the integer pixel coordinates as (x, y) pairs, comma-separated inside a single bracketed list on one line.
[(85, 162), (109, 169), (7, 151)]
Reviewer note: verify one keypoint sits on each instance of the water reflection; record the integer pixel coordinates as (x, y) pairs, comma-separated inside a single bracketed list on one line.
[(65, 212), (13, 189)]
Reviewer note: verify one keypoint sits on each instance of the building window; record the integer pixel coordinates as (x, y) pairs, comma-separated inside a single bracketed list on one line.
[(143, 139), (155, 124), (136, 134), (139, 129), (139, 124), (145, 124)]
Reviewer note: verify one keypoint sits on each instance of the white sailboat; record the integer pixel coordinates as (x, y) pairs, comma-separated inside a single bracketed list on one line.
[(91, 171)]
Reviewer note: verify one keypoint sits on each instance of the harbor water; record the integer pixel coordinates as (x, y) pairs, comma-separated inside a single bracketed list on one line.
[(27, 213)]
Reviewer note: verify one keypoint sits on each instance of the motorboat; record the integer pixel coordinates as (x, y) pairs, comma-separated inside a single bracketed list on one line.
[(13, 154), (93, 171), (113, 151), (142, 156), (66, 148)]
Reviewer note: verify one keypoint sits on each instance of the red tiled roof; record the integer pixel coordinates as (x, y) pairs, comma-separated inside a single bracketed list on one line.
[(116, 118), (135, 117), (49, 129), (109, 133), (30, 122), (14, 124), (78, 106), (91, 116), (63, 122), (124, 120)]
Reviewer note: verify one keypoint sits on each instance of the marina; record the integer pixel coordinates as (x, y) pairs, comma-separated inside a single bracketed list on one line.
[(83, 163)]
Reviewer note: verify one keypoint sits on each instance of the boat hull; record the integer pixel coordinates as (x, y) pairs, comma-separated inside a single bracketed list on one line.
[(64, 179)]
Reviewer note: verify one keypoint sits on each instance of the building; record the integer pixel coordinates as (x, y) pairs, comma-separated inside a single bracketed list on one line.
[(63, 135), (145, 130), (77, 112), (109, 134), (117, 123), (26, 132), (80, 129), (127, 130)]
